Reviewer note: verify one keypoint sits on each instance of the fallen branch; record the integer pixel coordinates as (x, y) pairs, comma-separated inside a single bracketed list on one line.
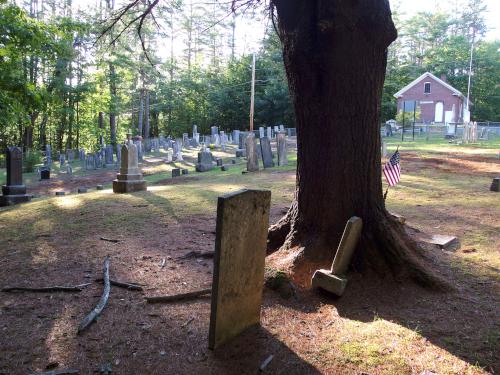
[(109, 239), (187, 322), (76, 288), (122, 284), (57, 372), (198, 254), (178, 297), (102, 302)]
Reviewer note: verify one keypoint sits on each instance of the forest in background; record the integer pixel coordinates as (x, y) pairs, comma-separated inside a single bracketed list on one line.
[(64, 83)]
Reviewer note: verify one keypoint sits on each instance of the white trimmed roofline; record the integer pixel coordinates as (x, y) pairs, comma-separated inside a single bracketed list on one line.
[(430, 75)]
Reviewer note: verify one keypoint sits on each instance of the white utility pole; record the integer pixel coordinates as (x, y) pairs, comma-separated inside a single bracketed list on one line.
[(252, 93)]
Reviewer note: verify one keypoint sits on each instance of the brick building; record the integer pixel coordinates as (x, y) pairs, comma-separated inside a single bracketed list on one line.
[(439, 102)]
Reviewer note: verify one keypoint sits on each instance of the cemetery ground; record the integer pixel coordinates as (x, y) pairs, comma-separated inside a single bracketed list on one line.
[(378, 326)]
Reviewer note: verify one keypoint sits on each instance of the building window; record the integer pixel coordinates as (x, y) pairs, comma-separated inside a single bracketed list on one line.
[(427, 88)]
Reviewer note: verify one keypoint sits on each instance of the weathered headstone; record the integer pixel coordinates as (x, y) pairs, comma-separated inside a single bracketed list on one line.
[(282, 128), (334, 280), (269, 132), (129, 179), (45, 174), (251, 150), (138, 145), (267, 154), (261, 132), (240, 251), (177, 146), (168, 157), (176, 172), (236, 137), (495, 184), (184, 171), (282, 150), (14, 191), (204, 161)]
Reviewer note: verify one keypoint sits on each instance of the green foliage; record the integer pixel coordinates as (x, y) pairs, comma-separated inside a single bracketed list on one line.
[(31, 159)]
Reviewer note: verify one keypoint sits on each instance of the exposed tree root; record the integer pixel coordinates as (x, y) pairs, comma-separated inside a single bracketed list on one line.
[(384, 249)]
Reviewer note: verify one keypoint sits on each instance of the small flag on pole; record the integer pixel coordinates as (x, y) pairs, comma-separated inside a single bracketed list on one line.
[(392, 169)]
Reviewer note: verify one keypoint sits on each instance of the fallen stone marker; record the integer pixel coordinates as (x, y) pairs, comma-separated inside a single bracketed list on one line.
[(82, 190), (176, 172), (60, 193), (334, 280), (444, 242), (240, 251), (99, 187)]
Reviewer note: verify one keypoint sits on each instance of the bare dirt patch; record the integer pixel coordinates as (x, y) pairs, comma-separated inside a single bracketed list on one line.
[(378, 327)]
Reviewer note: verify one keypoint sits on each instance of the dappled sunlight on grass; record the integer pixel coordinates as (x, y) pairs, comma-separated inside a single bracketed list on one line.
[(398, 350), (68, 202)]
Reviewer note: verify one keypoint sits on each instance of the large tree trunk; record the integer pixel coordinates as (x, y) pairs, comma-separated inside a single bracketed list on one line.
[(335, 57)]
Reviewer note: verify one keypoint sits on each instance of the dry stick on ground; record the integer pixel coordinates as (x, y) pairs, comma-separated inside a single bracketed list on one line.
[(109, 239), (76, 288), (57, 372), (178, 297), (102, 302), (197, 254), (122, 284)]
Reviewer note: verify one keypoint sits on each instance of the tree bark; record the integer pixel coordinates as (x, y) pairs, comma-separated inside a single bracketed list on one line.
[(335, 55)]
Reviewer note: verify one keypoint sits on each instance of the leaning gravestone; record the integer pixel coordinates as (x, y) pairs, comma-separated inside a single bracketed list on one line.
[(282, 150), (251, 150), (204, 161), (334, 280), (240, 251), (129, 178), (267, 154), (14, 191)]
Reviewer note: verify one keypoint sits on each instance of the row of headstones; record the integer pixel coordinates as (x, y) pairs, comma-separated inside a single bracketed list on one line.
[(263, 151)]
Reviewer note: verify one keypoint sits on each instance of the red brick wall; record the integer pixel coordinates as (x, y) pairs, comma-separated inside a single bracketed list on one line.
[(439, 93)]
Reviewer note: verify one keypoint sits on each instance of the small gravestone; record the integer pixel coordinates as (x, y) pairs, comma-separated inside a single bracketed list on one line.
[(282, 150), (269, 132), (495, 184), (60, 193), (129, 178), (168, 158), (204, 161), (82, 190), (218, 161), (62, 160), (240, 153), (99, 187), (14, 191), (224, 168), (267, 154), (334, 280), (240, 251), (251, 150), (69, 169), (45, 174), (185, 171), (233, 161), (176, 172)]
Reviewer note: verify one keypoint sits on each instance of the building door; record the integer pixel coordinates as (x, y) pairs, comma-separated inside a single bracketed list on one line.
[(438, 112)]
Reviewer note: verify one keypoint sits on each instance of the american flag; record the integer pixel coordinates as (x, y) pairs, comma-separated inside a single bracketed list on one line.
[(392, 169)]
